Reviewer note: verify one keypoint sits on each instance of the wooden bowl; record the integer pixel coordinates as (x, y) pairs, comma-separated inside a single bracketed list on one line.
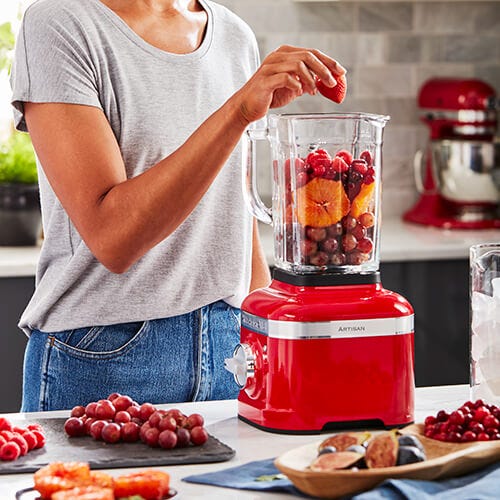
[(443, 460)]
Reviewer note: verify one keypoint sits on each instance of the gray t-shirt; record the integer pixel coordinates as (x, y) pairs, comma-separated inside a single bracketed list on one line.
[(81, 52)]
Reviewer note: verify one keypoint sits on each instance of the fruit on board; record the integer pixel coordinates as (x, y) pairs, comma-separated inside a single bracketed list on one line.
[(473, 421), (335, 94), (410, 455), (130, 422), (16, 441), (335, 461), (343, 440), (321, 203), (410, 440), (382, 451)]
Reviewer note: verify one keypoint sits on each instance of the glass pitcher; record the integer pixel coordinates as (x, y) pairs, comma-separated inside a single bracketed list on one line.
[(326, 192)]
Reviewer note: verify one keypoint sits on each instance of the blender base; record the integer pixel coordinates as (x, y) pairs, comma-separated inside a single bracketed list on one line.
[(326, 357)]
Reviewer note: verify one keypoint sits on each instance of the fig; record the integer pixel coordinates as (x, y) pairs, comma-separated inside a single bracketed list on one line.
[(334, 461), (382, 451), (409, 440), (344, 440), (410, 455)]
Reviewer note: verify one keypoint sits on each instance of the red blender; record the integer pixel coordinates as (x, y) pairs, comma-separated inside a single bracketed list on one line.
[(458, 176), (325, 346)]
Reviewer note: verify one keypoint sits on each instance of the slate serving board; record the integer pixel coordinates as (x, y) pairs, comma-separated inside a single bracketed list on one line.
[(100, 455)]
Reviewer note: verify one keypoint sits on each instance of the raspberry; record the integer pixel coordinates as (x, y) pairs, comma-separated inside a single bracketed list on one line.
[(30, 439), (35, 427), (40, 439), (10, 451), (23, 445), (5, 425)]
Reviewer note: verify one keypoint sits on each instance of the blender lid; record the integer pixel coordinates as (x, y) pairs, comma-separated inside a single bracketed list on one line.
[(326, 279)]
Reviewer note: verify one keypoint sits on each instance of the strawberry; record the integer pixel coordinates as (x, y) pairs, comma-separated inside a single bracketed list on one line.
[(337, 93)]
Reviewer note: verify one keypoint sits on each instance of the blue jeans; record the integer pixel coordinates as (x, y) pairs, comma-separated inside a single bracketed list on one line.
[(160, 361)]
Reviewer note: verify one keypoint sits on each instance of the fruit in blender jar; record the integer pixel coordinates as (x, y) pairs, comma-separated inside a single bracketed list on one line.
[(382, 451), (321, 203), (336, 195)]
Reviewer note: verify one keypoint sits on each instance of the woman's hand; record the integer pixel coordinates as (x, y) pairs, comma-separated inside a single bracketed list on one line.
[(285, 74)]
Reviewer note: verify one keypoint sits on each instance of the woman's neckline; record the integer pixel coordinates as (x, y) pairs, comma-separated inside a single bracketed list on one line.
[(199, 52)]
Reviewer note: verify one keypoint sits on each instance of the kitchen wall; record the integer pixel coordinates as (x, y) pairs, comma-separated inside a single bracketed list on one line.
[(389, 49)]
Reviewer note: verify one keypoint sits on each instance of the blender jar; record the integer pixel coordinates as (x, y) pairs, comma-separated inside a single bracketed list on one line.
[(326, 190)]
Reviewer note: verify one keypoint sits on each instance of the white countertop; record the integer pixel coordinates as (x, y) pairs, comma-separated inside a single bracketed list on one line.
[(399, 242), (248, 442)]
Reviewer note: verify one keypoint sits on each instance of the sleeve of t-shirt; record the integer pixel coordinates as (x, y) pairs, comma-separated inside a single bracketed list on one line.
[(51, 63)]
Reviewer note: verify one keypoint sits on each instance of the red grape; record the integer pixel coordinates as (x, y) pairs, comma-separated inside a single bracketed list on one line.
[(194, 420), (130, 432), (146, 410), (167, 423), (111, 432), (74, 427), (122, 417), (199, 435), (78, 411), (183, 437), (151, 437), (95, 429), (105, 409), (122, 403), (167, 439)]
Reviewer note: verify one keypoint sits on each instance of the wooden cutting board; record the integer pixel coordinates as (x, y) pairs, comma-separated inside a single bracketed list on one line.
[(100, 455)]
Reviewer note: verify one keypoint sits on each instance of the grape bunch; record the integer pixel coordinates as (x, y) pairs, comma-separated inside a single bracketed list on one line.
[(473, 421), (17, 441), (120, 418)]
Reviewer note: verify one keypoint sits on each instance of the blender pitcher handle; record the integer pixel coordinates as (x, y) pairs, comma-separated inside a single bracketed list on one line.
[(250, 192)]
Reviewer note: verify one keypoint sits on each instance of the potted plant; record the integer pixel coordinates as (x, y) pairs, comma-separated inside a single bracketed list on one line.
[(20, 217)]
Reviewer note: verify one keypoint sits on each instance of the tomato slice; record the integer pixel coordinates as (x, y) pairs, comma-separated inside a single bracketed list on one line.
[(149, 484), (85, 493)]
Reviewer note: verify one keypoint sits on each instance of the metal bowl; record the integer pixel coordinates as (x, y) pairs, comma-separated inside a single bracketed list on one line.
[(467, 172)]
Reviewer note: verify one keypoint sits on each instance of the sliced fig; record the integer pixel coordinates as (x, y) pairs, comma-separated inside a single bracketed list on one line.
[(382, 451), (335, 461), (344, 440)]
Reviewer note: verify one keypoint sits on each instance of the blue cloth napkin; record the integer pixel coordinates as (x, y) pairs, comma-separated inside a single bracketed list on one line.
[(262, 475)]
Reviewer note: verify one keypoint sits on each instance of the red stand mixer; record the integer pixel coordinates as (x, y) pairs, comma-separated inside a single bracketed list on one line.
[(458, 176), (325, 346)]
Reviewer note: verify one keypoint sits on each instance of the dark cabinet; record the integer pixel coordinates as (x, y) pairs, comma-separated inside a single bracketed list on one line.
[(15, 293), (439, 294)]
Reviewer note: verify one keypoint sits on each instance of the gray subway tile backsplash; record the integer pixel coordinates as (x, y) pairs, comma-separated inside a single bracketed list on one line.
[(389, 49)]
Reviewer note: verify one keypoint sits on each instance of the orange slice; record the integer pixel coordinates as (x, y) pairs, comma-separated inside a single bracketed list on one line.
[(363, 201), (321, 202)]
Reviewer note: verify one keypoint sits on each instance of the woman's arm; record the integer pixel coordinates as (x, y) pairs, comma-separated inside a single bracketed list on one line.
[(120, 219)]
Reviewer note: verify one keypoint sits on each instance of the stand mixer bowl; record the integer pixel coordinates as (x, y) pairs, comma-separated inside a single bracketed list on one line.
[(467, 176), (326, 190)]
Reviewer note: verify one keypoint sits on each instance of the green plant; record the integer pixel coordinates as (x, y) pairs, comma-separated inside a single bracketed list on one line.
[(6, 45), (17, 160)]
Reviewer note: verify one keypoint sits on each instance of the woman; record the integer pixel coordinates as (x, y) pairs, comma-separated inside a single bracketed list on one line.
[(136, 109)]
